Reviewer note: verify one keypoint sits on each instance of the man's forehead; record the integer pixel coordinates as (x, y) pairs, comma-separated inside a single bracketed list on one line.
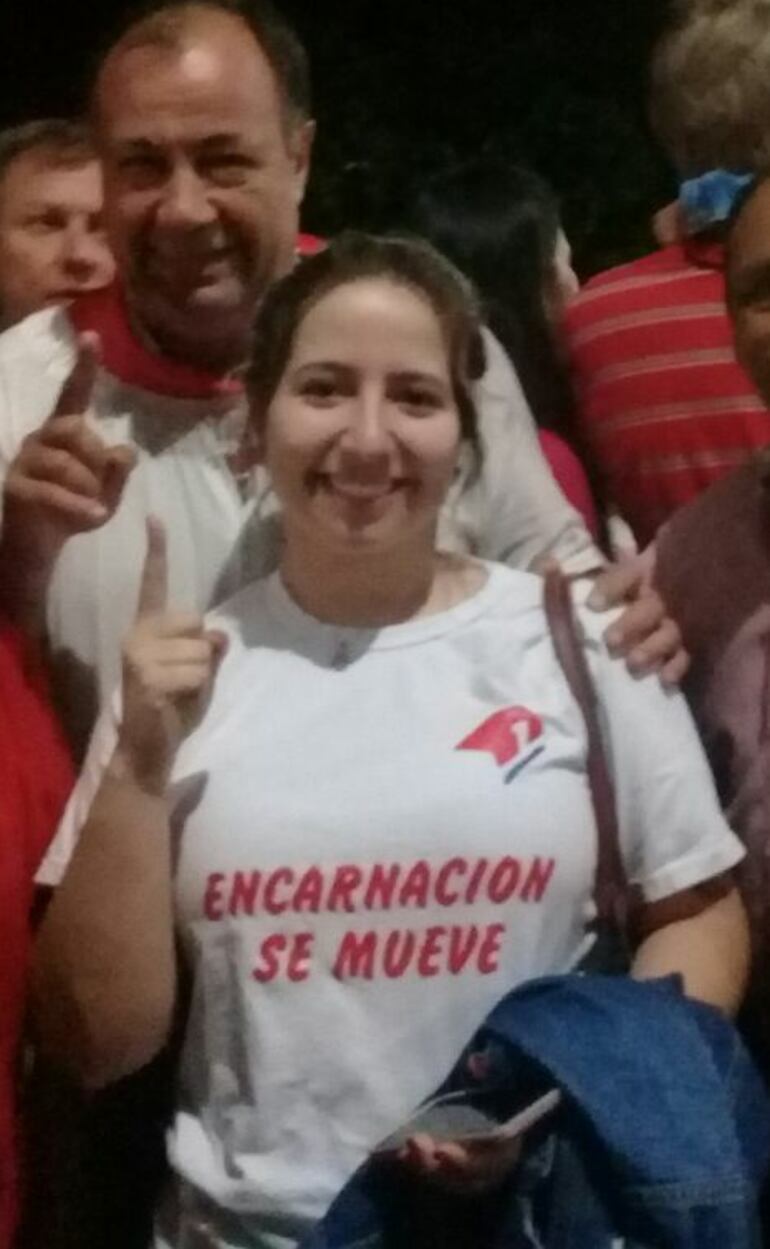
[(39, 174), (207, 76)]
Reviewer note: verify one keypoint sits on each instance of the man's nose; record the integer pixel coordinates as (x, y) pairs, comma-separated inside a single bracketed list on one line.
[(185, 201), (85, 254)]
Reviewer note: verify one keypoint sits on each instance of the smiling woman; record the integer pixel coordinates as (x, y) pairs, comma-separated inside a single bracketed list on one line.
[(361, 414), (367, 855)]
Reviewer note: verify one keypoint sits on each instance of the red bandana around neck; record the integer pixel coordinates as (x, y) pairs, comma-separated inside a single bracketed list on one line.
[(128, 359)]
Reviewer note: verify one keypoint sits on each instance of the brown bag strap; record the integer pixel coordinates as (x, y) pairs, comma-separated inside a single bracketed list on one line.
[(610, 885)]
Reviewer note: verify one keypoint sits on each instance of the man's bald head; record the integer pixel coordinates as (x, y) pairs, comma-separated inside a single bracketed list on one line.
[(172, 26)]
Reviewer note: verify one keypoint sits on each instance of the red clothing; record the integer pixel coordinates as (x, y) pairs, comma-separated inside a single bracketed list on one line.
[(571, 477), (35, 779), (663, 401)]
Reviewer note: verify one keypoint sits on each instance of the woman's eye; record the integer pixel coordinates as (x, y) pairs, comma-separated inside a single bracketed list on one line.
[(320, 389), (420, 400)]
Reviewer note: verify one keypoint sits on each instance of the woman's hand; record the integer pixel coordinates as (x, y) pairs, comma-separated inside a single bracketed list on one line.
[(169, 664), (462, 1167)]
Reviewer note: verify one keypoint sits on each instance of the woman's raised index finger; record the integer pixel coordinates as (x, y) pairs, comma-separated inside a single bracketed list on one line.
[(153, 588)]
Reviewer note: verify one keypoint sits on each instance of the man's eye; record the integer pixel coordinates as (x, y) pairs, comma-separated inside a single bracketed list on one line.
[(44, 223), (227, 166), (141, 168)]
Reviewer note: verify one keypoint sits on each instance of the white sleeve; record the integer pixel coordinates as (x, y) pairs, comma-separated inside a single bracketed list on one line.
[(672, 830), (101, 748), (35, 356), (515, 510)]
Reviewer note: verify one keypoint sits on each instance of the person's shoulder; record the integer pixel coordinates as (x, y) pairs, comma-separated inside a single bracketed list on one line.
[(514, 595), (664, 260), (628, 281), (39, 340), (610, 302)]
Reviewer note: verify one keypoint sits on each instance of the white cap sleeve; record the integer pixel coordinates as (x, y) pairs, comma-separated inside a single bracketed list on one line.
[(673, 831)]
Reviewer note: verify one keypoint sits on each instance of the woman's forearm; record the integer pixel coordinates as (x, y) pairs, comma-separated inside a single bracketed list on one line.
[(710, 951), (104, 972)]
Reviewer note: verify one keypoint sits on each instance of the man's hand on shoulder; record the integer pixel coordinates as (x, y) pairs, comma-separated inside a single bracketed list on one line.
[(644, 635)]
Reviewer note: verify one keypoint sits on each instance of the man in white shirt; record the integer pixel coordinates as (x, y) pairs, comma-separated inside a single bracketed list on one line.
[(202, 120)]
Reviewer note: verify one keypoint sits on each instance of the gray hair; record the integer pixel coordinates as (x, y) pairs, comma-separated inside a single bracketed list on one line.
[(710, 102)]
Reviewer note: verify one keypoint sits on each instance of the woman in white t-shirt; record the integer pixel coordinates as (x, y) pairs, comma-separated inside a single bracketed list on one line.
[(357, 795)]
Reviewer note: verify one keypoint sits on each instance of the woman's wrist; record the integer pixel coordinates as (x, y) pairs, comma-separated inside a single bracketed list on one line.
[(141, 769)]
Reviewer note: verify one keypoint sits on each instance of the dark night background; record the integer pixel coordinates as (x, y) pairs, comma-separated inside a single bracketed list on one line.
[(404, 86)]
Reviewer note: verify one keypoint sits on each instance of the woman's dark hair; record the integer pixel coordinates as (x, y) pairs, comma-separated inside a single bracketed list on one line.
[(499, 224), (354, 257)]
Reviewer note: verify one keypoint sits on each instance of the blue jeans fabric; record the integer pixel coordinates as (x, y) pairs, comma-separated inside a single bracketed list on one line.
[(663, 1141)]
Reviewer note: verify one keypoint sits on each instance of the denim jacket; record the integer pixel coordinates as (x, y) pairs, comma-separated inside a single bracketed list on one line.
[(662, 1142)]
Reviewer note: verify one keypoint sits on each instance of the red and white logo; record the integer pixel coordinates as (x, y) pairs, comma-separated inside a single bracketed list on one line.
[(511, 736)]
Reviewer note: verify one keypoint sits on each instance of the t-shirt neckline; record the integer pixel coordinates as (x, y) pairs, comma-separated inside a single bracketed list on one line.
[(303, 626)]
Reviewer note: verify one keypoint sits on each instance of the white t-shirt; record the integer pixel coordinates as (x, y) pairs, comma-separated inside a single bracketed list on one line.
[(378, 833), (224, 532)]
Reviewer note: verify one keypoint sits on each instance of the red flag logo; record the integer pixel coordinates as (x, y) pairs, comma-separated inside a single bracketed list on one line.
[(506, 734)]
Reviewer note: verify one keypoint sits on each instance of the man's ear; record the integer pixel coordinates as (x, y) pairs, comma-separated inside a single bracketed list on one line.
[(301, 148)]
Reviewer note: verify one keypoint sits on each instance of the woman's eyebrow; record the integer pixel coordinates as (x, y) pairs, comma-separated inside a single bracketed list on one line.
[(419, 375)]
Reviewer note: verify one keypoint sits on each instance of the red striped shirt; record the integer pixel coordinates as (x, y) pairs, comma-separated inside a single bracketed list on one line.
[(665, 404)]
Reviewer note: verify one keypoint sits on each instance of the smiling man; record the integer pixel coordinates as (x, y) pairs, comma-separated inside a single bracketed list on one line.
[(52, 241)]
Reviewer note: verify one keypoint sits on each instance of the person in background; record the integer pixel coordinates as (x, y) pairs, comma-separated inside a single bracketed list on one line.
[(35, 779), (662, 399), (500, 225), (713, 565), (381, 821), (52, 241)]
